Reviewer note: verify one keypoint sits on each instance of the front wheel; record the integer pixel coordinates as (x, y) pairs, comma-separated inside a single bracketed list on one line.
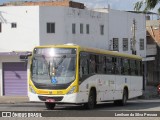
[(49, 106), (91, 100)]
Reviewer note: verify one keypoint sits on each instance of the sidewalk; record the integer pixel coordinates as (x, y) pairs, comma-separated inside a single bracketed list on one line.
[(13, 99), (150, 93)]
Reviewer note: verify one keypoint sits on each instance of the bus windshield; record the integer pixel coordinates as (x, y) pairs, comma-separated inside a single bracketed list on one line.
[(53, 66)]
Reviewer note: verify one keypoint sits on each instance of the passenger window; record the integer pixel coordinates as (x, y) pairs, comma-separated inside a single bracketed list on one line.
[(84, 64), (133, 67), (109, 65), (138, 66), (92, 64), (118, 66), (100, 64), (125, 67)]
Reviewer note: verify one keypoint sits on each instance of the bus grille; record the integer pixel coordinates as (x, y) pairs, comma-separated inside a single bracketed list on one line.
[(44, 98)]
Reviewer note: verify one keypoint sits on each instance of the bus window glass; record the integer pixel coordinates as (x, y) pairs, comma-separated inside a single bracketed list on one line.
[(104, 64), (118, 66), (84, 67), (100, 64), (125, 67), (109, 66), (132, 67), (138, 65), (92, 64)]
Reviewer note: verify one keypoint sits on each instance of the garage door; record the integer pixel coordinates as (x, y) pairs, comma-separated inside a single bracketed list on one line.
[(14, 79)]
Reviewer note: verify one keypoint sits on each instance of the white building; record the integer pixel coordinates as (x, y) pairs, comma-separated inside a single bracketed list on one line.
[(24, 27)]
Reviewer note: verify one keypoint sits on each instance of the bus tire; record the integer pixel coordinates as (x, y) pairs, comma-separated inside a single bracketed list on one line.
[(122, 102), (49, 106), (124, 98), (91, 100)]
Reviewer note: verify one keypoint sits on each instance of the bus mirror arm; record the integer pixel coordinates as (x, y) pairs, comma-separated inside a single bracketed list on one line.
[(25, 57)]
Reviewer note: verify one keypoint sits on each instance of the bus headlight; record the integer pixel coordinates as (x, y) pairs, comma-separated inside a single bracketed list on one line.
[(72, 90), (31, 89)]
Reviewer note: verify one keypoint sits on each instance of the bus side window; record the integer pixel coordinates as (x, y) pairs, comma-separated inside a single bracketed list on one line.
[(118, 66), (136, 67), (92, 64), (133, 67), (139, 68), (100, 64), (126, 66), (109, 65), (104, 65), (113, 65), (84, 65)]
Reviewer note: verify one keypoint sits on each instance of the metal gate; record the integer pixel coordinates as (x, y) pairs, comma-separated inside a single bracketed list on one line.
[(14, 79)]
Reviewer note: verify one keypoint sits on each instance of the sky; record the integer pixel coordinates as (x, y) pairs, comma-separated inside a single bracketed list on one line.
[(127, 5)]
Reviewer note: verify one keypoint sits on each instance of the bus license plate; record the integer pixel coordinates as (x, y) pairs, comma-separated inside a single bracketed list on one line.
[(50, 100)]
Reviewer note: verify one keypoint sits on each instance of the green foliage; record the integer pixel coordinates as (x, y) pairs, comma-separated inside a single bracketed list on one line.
[(138, 6), (148, 5)]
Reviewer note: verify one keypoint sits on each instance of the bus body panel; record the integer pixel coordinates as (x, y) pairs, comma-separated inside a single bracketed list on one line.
[(105, 87)]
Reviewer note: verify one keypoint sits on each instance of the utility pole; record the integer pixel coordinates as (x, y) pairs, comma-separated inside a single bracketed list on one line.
[(134, 37)]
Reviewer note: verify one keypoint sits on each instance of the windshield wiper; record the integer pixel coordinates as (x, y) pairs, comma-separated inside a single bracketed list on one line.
[(60, 61), (40, 58)]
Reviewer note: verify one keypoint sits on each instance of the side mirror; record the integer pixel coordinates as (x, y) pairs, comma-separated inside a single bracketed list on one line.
[(25, 57)]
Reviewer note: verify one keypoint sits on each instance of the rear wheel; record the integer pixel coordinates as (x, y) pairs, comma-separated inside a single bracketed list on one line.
[(91, 100), (125, 97), (49, 106), (122, 102)]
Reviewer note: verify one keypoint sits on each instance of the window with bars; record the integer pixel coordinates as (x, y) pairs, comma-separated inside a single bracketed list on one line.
[(73, 28), (81, 28), (131, 48), (125, 44), (115, 44), (141, 44), (13, 25), (102, 29), (50, 27), (87, 28)]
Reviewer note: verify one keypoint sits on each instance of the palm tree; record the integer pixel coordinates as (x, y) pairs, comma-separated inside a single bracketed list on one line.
[(148, 5)]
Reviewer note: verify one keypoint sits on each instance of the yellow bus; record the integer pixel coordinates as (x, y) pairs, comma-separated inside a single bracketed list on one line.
[(73, 74)]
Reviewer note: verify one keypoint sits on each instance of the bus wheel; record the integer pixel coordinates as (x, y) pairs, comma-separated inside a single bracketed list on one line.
[(124, 99), (49, 106), (91, 100)]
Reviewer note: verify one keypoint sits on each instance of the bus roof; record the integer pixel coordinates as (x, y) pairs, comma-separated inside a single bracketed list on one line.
[(92, 50)]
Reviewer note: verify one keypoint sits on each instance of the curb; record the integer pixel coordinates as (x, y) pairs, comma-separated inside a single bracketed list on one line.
[(13, 100)]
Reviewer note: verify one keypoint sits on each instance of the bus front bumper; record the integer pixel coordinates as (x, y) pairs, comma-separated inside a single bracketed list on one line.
[(74, 98)]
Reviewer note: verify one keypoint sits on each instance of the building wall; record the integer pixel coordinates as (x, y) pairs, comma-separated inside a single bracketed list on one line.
[(48, 15), (153, 39), (26, 35), (94, 20), (120, 24), (63, 27), (117, 24)]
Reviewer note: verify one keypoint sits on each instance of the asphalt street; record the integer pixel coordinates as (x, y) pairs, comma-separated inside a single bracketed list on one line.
[(77, 111)]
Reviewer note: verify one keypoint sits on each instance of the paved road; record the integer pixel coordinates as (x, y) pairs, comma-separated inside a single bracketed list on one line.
[(132, 106)]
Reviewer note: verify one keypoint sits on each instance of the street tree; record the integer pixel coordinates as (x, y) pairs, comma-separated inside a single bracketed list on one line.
[(147, 5)]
